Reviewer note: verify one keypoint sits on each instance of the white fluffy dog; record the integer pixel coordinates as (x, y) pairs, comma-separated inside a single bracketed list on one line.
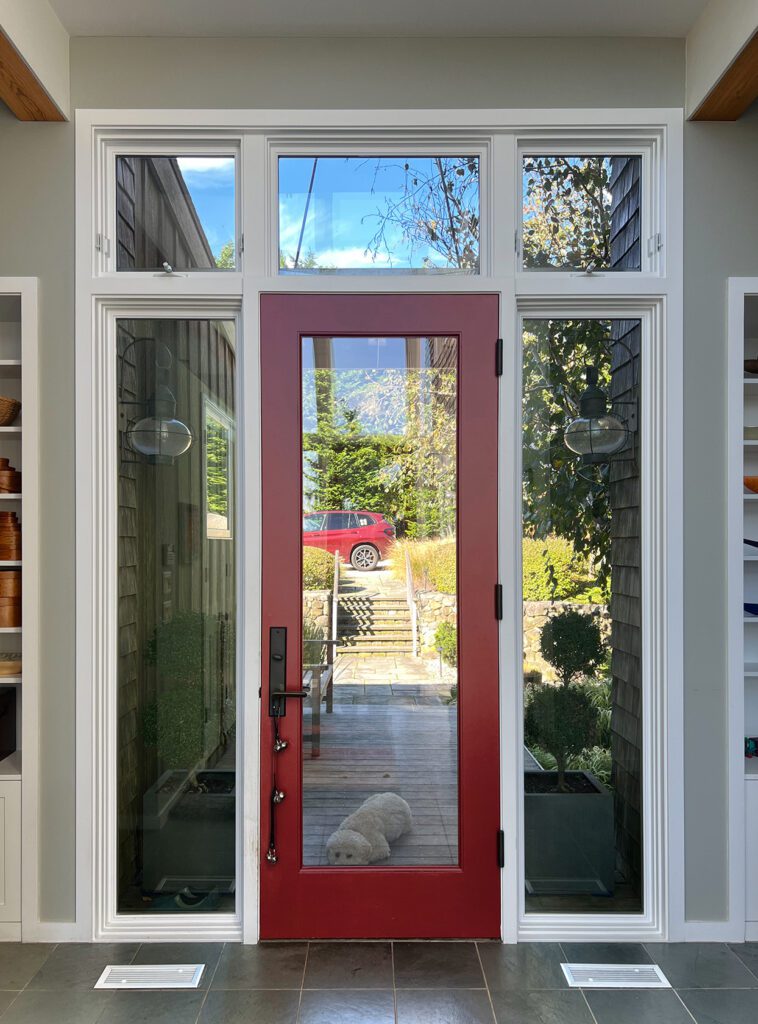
[(365, 836)]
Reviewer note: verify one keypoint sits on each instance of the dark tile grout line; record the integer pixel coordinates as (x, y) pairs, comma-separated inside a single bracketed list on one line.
[(210, 983), (302, 982), (564, 956), (54, 946), (394, 983), (486, 983), (686, 1008)]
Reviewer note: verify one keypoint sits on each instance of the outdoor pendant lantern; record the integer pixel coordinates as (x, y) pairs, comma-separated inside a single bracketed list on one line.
[(596, 434), (159, 435)]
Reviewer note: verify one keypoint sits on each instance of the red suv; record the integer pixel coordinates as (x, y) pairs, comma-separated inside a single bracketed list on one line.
[(361, 538)]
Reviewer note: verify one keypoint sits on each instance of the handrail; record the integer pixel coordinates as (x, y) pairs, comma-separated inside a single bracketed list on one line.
[(335, 606), (410, 598)]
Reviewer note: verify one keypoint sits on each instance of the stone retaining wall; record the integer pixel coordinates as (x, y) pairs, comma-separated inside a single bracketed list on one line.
[(317, 606), (434, 608)]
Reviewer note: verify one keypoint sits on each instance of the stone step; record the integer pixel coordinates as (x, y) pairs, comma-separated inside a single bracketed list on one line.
[(403, 635), (367, 651), (383, 603), (386, 616), (350, 625)]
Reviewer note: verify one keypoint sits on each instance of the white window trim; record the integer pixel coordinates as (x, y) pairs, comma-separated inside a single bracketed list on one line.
[(350, 145), (651, 923), (101, 291), (647, 146)]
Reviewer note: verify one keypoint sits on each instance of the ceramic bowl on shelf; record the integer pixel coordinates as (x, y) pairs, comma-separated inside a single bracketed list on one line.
[(751, 482)]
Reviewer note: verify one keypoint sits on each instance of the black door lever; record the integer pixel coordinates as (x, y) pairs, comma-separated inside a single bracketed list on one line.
[(278, 694)]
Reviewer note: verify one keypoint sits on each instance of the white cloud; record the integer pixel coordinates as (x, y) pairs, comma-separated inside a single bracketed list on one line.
[(349, 258), (203, 164)]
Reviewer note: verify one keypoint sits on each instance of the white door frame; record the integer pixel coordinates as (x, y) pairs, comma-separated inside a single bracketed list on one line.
[(101, 292)]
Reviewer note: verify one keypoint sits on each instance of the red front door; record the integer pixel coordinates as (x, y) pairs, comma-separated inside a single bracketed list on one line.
[(380, 799)]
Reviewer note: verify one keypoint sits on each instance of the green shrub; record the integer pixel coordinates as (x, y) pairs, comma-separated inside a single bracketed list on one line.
[(595, 759), (174, 723), (314, 651), (318, 569), (446, 639), (561, 720), (599, 693), (552, 571), (572, 643), (433, 563)]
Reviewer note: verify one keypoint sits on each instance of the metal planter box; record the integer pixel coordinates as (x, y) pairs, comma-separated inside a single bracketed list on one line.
[(569, 839)]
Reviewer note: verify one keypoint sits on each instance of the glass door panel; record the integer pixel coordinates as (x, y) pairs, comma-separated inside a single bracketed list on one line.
[(380, 621)]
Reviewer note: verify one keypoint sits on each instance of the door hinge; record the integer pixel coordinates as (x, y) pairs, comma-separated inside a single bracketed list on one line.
[(501, 849), (654, 244), (103, 244), (498, 600), (499, 357), (242, 244)]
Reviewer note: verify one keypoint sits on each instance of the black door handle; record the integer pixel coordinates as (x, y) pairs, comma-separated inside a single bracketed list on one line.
[(278, 693)]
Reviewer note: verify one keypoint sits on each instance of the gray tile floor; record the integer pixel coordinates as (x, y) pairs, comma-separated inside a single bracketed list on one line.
[(379, 983)]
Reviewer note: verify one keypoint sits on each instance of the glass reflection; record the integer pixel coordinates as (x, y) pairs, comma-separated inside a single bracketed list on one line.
[(179, 211), (176, 620), (346, 213), (380, 620), (581, 212), (582, 623)]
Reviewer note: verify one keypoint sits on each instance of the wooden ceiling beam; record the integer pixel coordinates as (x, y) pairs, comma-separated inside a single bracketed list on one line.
[(735, 91), (20, 88)]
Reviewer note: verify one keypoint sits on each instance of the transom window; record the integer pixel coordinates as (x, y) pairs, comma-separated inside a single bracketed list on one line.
[(342, 214), (176, 213), (581, 212)]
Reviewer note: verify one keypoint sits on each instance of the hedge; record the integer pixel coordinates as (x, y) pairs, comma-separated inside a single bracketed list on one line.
[(318, 569), (554, 572)]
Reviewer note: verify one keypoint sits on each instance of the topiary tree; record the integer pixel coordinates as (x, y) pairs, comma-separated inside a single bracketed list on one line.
[(563, 720), (572, 643)]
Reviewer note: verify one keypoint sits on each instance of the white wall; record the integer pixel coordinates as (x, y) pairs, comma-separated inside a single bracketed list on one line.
[(36, 238)]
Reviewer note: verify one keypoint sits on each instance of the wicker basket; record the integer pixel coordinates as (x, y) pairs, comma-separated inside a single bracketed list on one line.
[(9, 410)]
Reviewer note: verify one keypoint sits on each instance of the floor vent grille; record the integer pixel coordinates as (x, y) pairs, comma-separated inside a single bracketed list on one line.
[(148, 976), (615, 976)]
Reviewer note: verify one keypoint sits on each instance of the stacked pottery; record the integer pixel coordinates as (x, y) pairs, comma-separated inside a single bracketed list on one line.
[(10, 537), (10, 597), (10, 478)]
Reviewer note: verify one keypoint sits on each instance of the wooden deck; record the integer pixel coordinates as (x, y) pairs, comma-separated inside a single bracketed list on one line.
[(405, 744)]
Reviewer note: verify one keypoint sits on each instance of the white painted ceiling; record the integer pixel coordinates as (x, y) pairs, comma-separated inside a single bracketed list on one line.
[(378, 17)]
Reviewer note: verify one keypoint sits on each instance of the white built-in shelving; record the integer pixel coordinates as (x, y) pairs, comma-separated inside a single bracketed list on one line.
[(18, 785)]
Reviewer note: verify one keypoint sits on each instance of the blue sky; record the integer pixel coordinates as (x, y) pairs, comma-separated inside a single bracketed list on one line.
[(342, 218), (210, 181), (347, 195)]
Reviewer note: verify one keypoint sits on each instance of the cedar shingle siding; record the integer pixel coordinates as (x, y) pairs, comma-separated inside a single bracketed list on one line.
[(625, 607)]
